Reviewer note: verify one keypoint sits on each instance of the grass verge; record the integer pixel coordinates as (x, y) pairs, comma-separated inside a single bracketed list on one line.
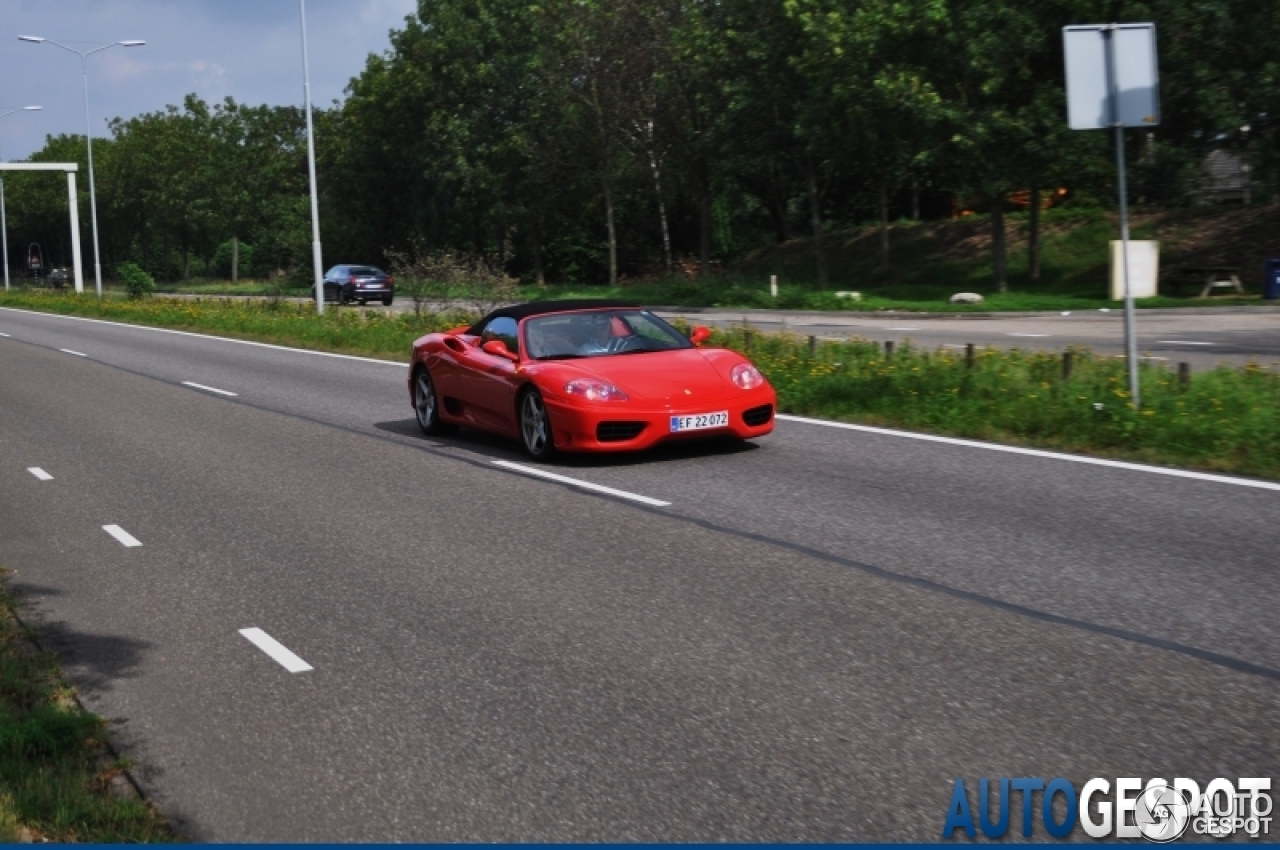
[(1226, 420), (55, 779)]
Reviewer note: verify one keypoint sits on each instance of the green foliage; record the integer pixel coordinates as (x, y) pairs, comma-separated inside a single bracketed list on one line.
[(601, 140), (54, 779), (136, 282), (222, 260)]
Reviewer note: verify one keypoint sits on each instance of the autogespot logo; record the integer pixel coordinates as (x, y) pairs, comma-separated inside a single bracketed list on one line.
[(1158, 811)]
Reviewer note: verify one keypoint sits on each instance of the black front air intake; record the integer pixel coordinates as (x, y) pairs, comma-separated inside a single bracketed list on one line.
[(618, 432), (758, 415)]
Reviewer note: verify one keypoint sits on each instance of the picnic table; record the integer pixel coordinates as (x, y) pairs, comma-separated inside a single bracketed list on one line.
[(1214, 277)]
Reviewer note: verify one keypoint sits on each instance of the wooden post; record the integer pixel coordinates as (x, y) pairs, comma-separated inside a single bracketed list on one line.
[(746, 339), (968, 355), (1184, 376), (813, 347), (1067, 362), (888, 349), (773, 285)]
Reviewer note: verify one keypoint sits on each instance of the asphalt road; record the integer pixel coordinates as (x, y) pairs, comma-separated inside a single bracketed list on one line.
[(810, 640)]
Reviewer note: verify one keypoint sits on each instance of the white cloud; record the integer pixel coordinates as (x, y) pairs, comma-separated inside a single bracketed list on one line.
[(250, 50)]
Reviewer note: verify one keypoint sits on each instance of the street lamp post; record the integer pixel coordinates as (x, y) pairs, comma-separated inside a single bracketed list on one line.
[(317, 269), (88, 134), (4, 226)]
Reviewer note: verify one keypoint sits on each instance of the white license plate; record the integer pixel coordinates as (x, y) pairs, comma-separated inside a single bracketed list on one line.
[(700, 421)]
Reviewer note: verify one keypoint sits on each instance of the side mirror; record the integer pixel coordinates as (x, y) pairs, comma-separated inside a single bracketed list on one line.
[(700, 334), (498, 348)]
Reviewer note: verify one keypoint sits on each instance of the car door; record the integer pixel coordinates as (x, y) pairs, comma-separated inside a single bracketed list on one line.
[(486, 384)]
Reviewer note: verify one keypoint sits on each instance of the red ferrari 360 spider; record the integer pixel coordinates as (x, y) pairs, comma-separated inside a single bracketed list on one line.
[(585, 376)]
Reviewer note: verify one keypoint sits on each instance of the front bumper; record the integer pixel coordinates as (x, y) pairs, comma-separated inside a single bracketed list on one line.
[(607, 427)]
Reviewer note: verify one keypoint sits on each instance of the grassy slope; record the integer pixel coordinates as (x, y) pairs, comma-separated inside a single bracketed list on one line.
[(932, 260)]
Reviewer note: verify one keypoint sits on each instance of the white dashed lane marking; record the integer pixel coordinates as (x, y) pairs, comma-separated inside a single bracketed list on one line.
[(209, 389), (1184, 342), (585, 485), (276, 650), (1012, 334), (39, 473), (76, 353), (125, 538)]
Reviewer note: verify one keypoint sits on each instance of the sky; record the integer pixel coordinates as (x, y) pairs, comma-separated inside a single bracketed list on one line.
[(250, 50)]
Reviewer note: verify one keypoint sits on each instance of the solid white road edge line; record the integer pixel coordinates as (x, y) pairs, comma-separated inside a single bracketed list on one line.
[(586, 485), (76, 353), (996, 447), (123, 536), (210, 389), (276, 650), (39, 473), (205, 336)]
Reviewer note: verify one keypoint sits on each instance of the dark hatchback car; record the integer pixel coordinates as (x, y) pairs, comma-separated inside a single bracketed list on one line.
[(344, 284)]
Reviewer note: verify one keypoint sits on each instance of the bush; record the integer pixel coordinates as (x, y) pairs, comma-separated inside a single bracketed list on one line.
[(136, 281)]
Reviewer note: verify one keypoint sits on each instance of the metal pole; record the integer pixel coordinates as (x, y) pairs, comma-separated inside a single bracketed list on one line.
[(317, 269), (93, 198), (4, 235), (1130, 332), (73, 204)]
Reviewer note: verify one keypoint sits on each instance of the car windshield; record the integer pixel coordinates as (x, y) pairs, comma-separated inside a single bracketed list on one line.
[(599, 333)]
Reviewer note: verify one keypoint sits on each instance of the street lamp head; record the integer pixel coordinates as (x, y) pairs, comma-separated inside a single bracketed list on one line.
[(32, 38), (133, 43)]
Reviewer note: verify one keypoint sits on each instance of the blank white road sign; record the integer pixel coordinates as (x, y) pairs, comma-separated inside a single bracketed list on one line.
[(1089, 82)]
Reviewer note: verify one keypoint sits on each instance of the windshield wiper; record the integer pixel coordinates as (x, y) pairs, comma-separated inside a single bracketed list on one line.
[(561, 357)]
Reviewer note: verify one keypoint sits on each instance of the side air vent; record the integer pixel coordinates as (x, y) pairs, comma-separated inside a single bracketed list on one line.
[(758, 415)]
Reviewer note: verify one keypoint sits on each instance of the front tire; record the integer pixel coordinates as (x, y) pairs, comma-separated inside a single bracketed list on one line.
[(535, 426), (426, 406)]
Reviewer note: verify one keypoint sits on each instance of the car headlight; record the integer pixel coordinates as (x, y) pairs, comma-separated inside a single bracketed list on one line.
[(593, 390), (746, 376)]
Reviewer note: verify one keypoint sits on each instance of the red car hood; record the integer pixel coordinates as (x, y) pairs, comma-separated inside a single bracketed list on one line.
[(680, 375)]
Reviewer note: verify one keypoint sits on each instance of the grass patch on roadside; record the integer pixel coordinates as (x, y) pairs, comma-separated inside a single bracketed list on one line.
[(372, 333), (1226, 420), (54, 780)]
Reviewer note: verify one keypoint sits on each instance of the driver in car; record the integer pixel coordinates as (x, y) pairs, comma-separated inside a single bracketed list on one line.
[(595, 334)]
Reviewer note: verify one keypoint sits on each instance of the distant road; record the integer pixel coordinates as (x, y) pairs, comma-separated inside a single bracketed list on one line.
[(1202, 336), (307, 622)]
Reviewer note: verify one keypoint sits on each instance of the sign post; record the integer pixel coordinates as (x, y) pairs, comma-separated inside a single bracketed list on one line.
[(1113, 81), (73, 204)]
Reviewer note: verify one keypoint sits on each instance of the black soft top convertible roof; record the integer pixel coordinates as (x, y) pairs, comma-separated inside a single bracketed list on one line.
[(537, 308)]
